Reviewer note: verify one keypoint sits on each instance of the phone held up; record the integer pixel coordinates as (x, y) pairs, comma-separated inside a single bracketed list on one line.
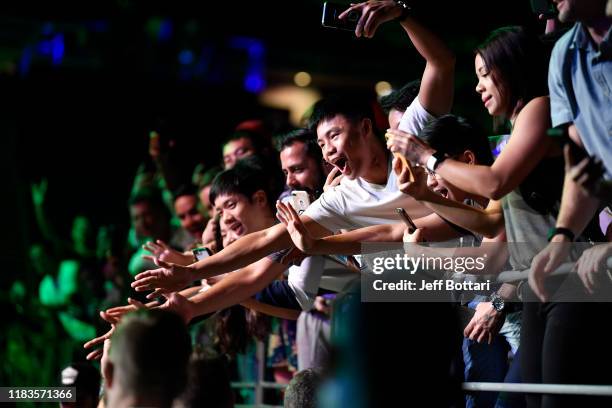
[(406, 218), (299, 200), (330, 19), (201, 253)]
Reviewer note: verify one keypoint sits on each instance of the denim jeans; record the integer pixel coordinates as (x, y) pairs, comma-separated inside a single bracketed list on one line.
[(489, 363)]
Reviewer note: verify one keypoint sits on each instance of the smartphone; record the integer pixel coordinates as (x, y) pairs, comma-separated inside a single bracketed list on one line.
[(201, 253), (299, 200), (406, 218), (545, 7), (330, 19)]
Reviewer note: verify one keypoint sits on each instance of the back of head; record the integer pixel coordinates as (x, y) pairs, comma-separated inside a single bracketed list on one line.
[(209, 382), (353, 109), (453, 135), (149, 352), (518, 62), (302, 390), (401, 98), (248, 176)]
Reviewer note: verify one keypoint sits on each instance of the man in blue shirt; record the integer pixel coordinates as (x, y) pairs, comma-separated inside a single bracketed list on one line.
[(580, 83)]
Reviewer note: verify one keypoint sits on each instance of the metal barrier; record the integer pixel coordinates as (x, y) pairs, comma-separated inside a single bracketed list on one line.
[(569, 389)]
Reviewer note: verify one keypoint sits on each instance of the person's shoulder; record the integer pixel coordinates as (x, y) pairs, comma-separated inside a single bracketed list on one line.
[(564, 43)]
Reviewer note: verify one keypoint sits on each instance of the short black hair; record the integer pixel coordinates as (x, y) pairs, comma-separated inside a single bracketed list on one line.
[(306, 136), (260, 143), (153, 197), (401, 98), (352, 108), (453, 135), (135, 351), (248, 176), (518, 63), (184, 190)]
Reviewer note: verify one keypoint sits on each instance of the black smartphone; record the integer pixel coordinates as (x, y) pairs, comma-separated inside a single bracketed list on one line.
[(406, 218), (545, 7), (330, 19), (201, 253)]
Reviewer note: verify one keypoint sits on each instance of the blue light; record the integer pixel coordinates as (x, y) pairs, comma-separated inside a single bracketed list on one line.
[(57, 49), (165, 30), (254, 82), (185, 57), (25, 61)]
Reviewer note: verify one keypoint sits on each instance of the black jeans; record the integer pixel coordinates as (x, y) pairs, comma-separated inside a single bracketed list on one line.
[(566, 343)]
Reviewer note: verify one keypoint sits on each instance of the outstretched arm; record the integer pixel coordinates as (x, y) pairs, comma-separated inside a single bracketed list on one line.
[(248, 249)]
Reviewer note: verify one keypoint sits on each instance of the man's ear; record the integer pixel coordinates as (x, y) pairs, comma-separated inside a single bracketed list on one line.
[(260, 198), (469, 157), (366, 126)]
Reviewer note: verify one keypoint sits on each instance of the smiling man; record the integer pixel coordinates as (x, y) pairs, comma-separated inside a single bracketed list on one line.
[(369, 195)]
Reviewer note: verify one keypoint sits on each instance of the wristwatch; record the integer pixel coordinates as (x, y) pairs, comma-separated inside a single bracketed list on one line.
[(434, 161), (498, 302), (405, 10)]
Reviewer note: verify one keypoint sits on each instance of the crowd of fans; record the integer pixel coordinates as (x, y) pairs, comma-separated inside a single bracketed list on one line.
[(219, 262)]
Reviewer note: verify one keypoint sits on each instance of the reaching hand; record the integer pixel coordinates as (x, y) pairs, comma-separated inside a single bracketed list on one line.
[(39, 192), (333, 179), (414, 149), (168, 278), (485, 324), (416, 188), (163, 252), (592, 263), (545, 263), (180, 305), (373, 14), (113, 316), (296, 228), (96, 354)]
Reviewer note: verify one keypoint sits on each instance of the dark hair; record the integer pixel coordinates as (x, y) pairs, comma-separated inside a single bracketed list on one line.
[(184, 190), (248, 176), (237, 326), (305, 136), (453, 135), (302, 390), (153, 197), (209, 381), (135, 351), (354, 109), (517, 62), (401, 98), (260, 143)]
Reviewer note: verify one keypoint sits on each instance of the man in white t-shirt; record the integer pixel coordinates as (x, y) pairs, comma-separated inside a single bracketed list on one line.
[(366, 196)]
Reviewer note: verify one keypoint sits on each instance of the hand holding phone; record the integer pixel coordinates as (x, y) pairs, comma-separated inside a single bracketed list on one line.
[(407, 220), (299, 200), (330, 19)]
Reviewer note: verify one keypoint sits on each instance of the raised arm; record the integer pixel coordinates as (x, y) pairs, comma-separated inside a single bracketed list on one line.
[(436, 92)]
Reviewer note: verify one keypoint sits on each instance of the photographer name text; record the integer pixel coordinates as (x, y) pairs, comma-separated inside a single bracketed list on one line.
[(430, 286)]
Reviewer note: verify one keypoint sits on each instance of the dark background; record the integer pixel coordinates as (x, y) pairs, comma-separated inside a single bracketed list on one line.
[(83, 82)]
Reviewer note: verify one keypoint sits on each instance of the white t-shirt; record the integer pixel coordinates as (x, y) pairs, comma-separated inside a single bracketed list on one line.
[(318, 272), (356, 203)]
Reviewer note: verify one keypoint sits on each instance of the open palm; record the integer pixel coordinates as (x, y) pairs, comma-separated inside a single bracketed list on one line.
[(295, 227)]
